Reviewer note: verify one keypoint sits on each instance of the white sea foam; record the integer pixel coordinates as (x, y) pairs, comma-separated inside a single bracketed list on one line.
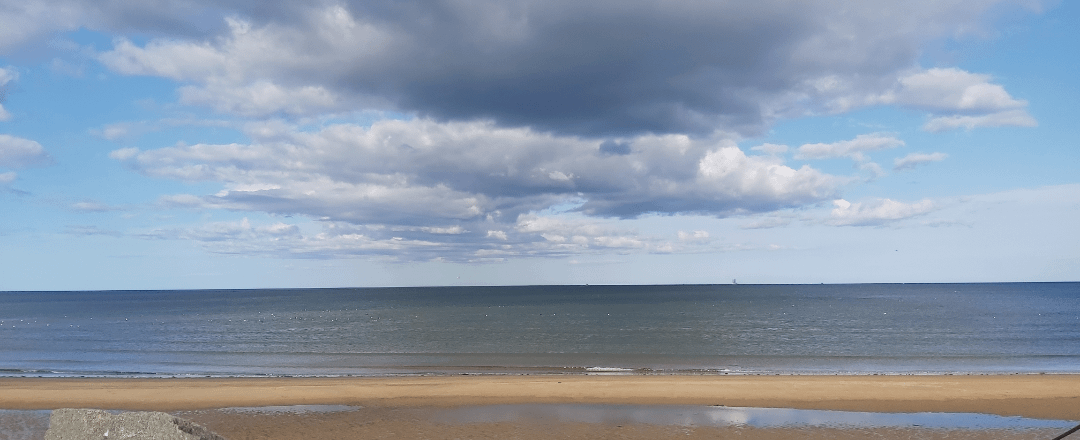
[(291, 409), (609, 370)]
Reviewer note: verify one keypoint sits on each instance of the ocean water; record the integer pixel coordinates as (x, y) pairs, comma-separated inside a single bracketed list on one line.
[(687, 329)]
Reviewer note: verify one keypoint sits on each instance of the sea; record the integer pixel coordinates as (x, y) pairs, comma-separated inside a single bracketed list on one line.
[(888, 329)]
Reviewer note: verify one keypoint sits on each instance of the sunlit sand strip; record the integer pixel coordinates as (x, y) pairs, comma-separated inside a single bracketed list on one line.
[(1037, 396)]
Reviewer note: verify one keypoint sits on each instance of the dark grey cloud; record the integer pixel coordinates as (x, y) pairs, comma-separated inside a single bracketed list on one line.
[(587, 68), (614, 147), (29, 23), (595, 69)]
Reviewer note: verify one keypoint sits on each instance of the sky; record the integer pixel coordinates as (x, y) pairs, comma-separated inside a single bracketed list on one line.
[(191, 144)]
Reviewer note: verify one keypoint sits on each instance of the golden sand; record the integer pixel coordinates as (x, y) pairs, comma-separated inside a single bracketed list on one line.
[(1039, 396), (387, 401)]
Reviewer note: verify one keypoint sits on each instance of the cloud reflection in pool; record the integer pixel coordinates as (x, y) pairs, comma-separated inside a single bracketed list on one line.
[(691, 415)]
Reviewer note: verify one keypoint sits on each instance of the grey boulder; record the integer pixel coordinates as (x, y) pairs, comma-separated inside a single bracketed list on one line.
[(94, 424)]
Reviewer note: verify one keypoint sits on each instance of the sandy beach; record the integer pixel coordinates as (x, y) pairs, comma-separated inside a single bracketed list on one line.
[(390, 404)]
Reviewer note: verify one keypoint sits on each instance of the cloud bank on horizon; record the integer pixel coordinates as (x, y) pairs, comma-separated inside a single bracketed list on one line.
[(495, 130)]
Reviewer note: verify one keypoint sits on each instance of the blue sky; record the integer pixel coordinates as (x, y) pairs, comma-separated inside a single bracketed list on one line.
[(237, 144)]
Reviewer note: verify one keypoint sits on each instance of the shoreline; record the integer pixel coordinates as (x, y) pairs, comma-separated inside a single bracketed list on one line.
[(1052, 396)]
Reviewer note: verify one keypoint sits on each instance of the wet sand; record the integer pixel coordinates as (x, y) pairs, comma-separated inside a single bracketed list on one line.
[(393, 407), (401, 424)]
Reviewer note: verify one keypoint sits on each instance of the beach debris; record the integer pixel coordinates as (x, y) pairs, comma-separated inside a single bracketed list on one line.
[(95, 424)]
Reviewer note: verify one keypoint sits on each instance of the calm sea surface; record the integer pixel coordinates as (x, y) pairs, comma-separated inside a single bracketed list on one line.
[(719, 329)]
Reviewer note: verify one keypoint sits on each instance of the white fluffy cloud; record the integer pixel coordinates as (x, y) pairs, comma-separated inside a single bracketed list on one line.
[(877, 212), (916, 159), (954, 97), (1013, 118), (960, 99), (17, 152), (728, 173), (954, 89), (258, 71), (25, 20), (259, 98), (404, 171), (854, 148), (475, 184)]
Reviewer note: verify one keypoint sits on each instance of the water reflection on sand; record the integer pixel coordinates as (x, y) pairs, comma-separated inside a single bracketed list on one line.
[(695, 415), (27, 425)]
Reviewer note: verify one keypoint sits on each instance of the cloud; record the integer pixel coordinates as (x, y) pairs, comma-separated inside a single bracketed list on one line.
[(972, 98), (916, 159), (92, 206), (17, 152), (954, 89), (771, 149), (116, 131), (574, 236), (6, 75), (876, 213), (187, 201), (957, 98), (279, 239), (694, 236), (1016, 118), (7, 178), (90, 230), (768, 221), (421, 171), (613, 147), (736, 182), (530, 236), (854, 148), (132, 130), (27, 23), (509, 109), (594, 69), (124, 153), (259, 99), (471, 184), (872, 169)]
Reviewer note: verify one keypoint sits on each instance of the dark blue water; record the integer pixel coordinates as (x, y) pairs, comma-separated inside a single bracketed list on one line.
[(721, 329)]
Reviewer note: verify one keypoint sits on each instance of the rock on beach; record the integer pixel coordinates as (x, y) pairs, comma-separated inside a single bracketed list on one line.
[(94, 424)]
